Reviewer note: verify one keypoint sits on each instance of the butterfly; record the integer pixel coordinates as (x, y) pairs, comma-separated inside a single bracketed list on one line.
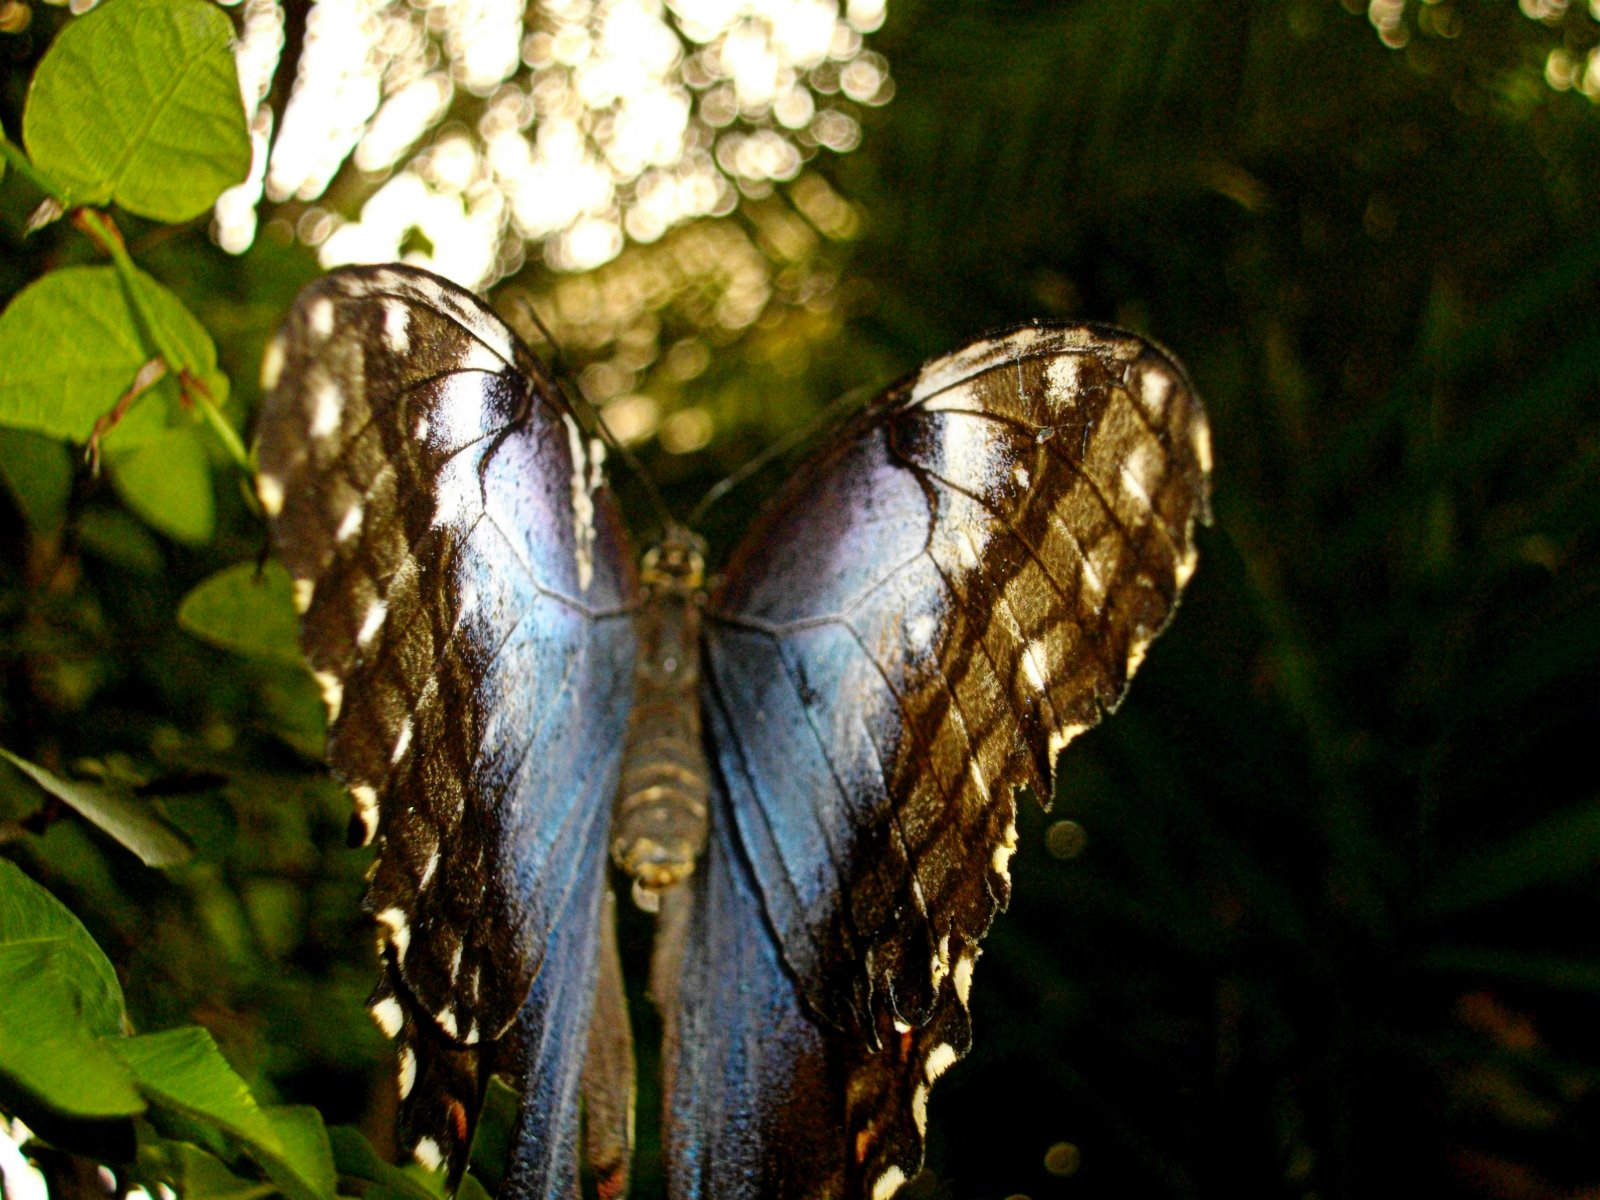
[(808, 763)]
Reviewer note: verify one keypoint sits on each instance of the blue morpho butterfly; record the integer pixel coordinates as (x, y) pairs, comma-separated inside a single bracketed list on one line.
[(809, 764)]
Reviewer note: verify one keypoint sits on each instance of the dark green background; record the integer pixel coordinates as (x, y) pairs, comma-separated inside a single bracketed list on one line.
[(1333, 931)]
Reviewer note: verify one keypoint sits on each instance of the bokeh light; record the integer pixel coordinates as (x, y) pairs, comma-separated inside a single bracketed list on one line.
[(476, 129)]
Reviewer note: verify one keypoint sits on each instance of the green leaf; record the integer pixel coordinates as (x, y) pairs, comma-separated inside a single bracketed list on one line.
[(246, 609), (37, 471), (197, 1175), (71, 346), (138, 102), (29, 914), (307, 1152), (116, 810), (167, 481), (1560, 848), (116, 537), (182, 1070), (356, 1159), (47, 1049)]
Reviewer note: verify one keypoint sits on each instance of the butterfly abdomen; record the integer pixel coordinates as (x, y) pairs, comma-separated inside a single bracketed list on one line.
[(660, 825)]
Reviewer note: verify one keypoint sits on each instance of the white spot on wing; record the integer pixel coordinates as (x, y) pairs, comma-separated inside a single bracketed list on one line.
[(582, 506), (1137, 651), (351, 525), (326, 402), (962, 978), (455, 955), (446, 1017), (422, 429), (1060, 737), (479, 357), (387, 1014), (1202, 446), (427, 1153), (376, 611), (398, 932), (1136, 474), (939, 1061), (332, 693), (272, 364), (921, 629), (304, 590), (471, 1037), (402, 743), (1154, 389), (900, 1026), (366, 809), (397, 325), (1065, 374), (427, 877), (978, 781), (1186, 566), (269, 490), (919, 1107), (1034, 655), (890, 1182), (408, 1071), (1001, 860), (1020, 474), (319, 317)]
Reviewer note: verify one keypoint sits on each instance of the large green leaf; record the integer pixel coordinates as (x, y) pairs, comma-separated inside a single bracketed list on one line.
[(307, 1152), (182, 1070), (116, 810), (47, 1049), (31, 915), (167, 481), (138, 102), (247, 609), (71, 345)]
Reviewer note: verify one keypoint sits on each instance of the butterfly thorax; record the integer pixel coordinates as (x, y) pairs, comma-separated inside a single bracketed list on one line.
[(659, 829)]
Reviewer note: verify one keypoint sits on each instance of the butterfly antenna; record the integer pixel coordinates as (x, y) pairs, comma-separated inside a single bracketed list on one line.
[(829, 415), (562, 370)]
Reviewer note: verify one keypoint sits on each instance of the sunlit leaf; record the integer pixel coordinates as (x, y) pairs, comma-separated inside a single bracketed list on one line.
[(29, 914), (167, 481), (182, 1070), (245, 608), (116, 810), (71, 345), (47, 1048), (138, 102)]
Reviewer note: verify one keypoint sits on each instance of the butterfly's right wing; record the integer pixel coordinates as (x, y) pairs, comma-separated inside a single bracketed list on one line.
[(937, 603), (464, 587)]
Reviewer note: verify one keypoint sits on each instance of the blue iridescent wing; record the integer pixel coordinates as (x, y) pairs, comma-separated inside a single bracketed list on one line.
[(953, 590), (465, 588)]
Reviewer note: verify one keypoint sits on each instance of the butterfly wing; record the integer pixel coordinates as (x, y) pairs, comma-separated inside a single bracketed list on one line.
[(464, 586), (953, 590)]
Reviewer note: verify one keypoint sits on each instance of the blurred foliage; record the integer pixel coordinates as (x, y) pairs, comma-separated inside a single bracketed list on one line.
[(1313, 914)]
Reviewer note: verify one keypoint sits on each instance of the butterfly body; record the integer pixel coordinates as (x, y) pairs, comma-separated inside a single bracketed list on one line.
[(812, 762), (659, 829)]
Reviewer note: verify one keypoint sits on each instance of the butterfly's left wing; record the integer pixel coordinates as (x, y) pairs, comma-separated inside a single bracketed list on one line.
[(935, 606), (465, 589)]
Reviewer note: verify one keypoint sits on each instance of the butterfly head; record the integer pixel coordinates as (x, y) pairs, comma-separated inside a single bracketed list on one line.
[(677, 563)]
